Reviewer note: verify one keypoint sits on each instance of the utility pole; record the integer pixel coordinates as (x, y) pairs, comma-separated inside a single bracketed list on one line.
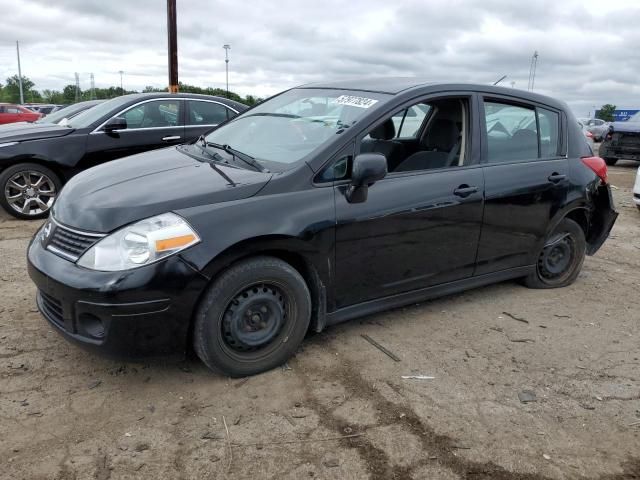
[(77, 87), (121, 89), (93, 87), (227, 47), (172, 33), (19, 73), (532, 70)]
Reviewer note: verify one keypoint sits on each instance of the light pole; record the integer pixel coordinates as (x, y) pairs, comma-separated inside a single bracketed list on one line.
[(20, 73), (121, 89), (227, 47)]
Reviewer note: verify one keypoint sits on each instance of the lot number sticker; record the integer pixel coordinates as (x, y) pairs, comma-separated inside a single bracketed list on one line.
[(353, 101)]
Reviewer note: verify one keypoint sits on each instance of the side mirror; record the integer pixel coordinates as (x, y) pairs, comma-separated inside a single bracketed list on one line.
[(367, 169), (116, 123)]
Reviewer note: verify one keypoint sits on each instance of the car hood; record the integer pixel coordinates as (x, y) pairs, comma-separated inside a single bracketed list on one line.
[(626, 126), (117, 193), (20, 132)]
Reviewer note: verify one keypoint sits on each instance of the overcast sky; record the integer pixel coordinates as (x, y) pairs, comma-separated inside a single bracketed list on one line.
[(589, 51)]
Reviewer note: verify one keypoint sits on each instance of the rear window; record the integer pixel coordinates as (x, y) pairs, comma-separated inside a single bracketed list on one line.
[(519, 133)]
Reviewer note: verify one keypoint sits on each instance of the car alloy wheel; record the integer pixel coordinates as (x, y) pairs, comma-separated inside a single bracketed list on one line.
[(30, 193)]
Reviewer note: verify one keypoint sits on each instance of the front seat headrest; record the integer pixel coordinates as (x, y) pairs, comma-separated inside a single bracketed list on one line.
[(384, 131), (442, 135)]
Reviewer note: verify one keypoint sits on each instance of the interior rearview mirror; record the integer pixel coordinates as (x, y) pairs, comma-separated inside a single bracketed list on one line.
[(367, 169), (116, 123)]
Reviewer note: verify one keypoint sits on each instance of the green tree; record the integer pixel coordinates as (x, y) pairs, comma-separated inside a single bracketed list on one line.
[(606, 112), (11, 91)]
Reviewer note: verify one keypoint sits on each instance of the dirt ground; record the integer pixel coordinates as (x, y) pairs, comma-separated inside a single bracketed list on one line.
[(66, 414)]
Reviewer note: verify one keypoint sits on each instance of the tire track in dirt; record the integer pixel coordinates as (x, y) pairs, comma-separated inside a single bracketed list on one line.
[(433, 444)]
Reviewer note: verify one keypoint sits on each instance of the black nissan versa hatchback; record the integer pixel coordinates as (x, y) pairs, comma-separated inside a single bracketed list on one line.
[(36, 159), (324, 203)]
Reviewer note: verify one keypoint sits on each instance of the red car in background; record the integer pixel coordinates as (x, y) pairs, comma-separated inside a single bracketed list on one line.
[(15, 113)]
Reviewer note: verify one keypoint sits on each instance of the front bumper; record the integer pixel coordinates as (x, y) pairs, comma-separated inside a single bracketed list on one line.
[(124, 314), (609, 149)]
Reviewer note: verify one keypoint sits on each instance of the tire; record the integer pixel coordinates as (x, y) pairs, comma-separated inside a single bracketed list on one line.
[(610, 161), (252, 318), (28, 190), (559, 264)]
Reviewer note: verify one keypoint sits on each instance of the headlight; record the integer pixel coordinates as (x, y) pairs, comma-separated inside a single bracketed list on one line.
[(141, 243)]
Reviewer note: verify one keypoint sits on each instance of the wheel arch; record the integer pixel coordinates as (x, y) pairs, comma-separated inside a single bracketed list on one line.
[(44, 162), (289, 249)]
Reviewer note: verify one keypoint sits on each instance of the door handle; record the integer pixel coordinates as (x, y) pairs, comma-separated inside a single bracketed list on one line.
[(556, 177), (171, 138), (464, 190)]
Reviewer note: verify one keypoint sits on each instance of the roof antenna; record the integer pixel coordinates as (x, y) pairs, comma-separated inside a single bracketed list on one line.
[(500, 79)]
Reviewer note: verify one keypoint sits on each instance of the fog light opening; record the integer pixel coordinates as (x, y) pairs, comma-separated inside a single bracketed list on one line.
[(92, 325)]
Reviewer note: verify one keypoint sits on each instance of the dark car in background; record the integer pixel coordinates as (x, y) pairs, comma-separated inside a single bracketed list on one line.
[(43, 108), (324, 203), (68, 112), (37, 159), (16, 113), (622, 141)]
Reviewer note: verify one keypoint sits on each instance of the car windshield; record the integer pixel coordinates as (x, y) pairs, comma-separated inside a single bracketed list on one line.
[(288, 127), (91, 116), (66, 112), (635, 117)]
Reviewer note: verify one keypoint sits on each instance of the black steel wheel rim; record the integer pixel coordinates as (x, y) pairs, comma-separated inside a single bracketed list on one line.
[(254, 318), (557, 258)]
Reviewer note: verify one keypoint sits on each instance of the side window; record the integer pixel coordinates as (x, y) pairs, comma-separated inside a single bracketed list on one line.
[(407, 123), (442, 144), (154, 114), (512, 132), (548, 122), (338, 170), (207, 113)]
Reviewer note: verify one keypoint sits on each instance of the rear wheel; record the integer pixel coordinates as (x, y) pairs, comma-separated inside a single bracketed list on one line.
[(252, 318), (560, 260), (610, 161), (28, 190)]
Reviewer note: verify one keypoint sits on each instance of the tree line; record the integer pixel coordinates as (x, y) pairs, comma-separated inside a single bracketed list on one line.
[(10, 93)]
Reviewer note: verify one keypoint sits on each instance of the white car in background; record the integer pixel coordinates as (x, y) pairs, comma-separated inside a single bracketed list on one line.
[(636, 190)]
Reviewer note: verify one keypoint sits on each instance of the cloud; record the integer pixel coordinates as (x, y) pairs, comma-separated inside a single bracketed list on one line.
[(587, 49)]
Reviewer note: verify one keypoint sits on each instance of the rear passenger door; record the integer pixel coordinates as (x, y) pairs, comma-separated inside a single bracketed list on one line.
[(525, 173), (204, 115)]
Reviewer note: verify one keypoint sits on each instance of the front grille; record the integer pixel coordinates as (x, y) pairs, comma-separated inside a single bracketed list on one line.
[(51, 308), (628, 139), (69, 243)]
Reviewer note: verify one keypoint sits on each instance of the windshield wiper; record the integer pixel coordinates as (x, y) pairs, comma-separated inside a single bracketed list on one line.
[(248, 159), (202, 143)]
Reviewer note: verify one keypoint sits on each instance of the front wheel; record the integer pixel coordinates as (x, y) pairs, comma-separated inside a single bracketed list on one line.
[(252, 318), (610, 161), (28, 190), (560, 260)]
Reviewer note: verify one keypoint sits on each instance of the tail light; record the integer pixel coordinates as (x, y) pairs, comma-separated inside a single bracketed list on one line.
[(589, 134), (598, 166)]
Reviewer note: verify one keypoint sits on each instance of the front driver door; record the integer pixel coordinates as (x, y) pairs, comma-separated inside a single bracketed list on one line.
[(151, 124)]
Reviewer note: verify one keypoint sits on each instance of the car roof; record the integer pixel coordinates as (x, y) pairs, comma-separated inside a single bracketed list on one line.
[(145, 96), (398, 85)]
